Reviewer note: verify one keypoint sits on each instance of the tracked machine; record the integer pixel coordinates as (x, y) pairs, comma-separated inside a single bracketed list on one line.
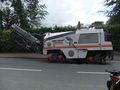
[(83, 45)]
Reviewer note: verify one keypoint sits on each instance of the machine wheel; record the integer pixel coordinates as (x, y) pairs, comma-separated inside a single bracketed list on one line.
[(100, 59), (103, 60), (49, 57), (61, 58), (52, 57), (90, 59)]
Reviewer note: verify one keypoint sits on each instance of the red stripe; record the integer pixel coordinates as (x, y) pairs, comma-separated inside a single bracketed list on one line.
[(82, 46)]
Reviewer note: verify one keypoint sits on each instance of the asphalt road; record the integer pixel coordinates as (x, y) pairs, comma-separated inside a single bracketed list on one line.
[(38, 74)]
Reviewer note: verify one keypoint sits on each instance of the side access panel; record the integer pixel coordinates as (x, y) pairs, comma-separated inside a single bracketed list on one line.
[(82, 53), (75, 53)]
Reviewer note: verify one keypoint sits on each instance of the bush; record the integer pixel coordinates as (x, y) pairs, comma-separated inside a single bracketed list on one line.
[(115, 35), (7, 44)]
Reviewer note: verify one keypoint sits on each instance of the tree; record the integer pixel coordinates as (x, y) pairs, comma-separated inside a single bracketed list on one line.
[(1, 24), (19, 9), (113, 24), (35, 12), (7, 14), (98, 24), (114, 12), (9, 18), (26, 13), (1, 15)]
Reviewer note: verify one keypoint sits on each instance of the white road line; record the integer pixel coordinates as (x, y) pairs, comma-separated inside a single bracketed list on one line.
[(97, 73), (21, 69)]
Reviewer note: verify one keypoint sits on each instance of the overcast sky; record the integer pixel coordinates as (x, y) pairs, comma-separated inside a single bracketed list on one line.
[(69, 12)]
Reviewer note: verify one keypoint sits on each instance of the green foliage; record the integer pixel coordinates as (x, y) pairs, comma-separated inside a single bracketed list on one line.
[(7, 15), (7, 44), (35, 12), (113, 24), (114, 12), (26, 13), (114, 30), (62, 29), (97, 25), (1, 19), (41, 30), (18, 6), (56, 28)]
